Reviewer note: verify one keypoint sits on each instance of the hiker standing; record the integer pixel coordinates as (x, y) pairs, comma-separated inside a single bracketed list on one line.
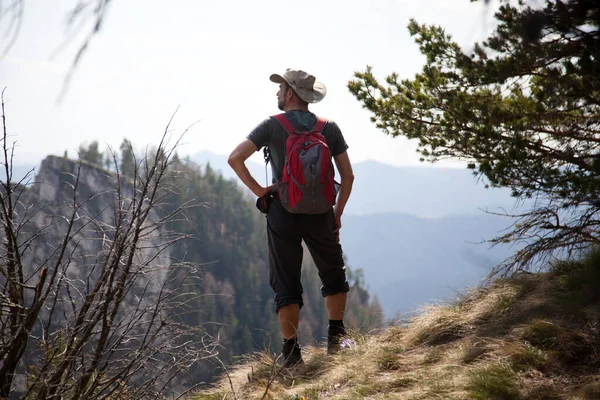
[(301, 203)]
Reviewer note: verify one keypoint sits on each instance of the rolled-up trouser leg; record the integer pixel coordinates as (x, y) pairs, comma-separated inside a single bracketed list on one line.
[(326, 252), (285, 256)]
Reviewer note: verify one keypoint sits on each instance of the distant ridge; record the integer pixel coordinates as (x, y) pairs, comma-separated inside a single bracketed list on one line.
[(410, 261)]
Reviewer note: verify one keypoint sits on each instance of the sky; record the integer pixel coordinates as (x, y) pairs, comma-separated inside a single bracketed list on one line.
[(210, 61)]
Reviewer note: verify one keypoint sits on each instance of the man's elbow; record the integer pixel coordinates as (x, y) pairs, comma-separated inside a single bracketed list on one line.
[(233, 160), (348, 178)]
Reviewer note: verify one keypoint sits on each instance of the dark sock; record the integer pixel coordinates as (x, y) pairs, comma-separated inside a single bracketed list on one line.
[(336, 327), (290, 342)]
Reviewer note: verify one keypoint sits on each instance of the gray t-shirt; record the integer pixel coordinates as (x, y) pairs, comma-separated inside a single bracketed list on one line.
[(270, 133)]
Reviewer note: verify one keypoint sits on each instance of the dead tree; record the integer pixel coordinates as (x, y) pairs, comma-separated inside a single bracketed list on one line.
[(90, 299)]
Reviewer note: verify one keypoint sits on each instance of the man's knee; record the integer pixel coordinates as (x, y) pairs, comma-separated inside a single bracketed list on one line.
[(285, 299), (331, 288)]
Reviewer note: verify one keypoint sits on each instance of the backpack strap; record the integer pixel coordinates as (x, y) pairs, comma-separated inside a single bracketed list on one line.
[(290, 128), (285, 123), (267, 155), (319, 125)]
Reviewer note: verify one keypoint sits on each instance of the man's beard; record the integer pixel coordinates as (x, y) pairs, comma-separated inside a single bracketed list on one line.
[(281, 104)]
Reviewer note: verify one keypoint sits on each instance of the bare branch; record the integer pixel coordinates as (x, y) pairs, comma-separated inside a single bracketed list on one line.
[(89, 292)]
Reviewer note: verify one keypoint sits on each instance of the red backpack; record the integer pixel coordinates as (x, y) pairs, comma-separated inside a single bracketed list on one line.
[(307, 184)]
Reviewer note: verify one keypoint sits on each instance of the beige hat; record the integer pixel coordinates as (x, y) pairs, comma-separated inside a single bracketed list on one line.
[(304, 84)]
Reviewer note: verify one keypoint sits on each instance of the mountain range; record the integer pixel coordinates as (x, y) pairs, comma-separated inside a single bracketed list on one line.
[(410, 261)]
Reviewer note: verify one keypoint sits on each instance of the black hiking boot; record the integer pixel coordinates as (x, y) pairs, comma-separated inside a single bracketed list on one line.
[(336, 333), (334, 343), (291, 354)]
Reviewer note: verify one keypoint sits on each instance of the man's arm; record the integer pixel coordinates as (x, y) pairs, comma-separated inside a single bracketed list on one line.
[(342, 162), (237, 161)]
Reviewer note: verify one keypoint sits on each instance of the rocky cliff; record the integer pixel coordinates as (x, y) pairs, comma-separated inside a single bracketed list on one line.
[(100, 204), (92, 282)]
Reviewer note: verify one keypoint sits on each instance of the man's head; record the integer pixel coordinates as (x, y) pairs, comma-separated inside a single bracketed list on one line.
[(298, 86)]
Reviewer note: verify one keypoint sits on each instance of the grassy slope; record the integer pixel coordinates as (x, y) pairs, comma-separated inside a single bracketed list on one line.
[(533, 336)]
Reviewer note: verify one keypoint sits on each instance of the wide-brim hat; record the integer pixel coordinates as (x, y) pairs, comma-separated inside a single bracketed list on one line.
[(304, 84)]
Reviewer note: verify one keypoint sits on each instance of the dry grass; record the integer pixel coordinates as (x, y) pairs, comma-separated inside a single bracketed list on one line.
[(493, 381), (514, 339)]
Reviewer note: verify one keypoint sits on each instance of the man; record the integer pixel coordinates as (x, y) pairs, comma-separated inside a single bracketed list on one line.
[(286, 230)]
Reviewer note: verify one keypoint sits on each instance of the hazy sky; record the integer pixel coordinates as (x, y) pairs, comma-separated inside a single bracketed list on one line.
[(212, 59)]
